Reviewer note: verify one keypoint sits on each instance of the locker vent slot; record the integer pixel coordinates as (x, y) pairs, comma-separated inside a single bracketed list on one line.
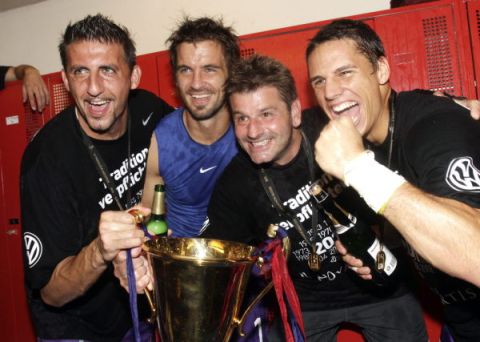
[(439, 62), (245, 53), (33, 122), (61, 98), (477, 14)]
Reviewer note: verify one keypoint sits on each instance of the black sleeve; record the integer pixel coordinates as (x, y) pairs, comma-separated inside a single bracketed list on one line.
[(228, 211), (50, 223), (163, 108), (444, 152), (3, 72)]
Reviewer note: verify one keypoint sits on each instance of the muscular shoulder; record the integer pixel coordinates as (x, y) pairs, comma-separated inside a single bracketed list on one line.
[(171, 120), (420, 107), (431, 120), (434, 135)]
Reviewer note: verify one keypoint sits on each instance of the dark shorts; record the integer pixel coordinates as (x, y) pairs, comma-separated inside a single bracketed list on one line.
[(397, 319)]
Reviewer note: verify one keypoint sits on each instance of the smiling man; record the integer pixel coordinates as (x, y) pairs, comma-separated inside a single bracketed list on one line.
[(71, 224), (277, 161), (433, 144), (191, 146)]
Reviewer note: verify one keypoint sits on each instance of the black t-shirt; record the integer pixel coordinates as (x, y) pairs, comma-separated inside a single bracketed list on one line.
[(240, 210), (3, 71), (62, 197), (437, 149)]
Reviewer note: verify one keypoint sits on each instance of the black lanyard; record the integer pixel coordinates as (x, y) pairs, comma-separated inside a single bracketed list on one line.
[(102, 167), (391, 127), (269, 187), (103, 171)]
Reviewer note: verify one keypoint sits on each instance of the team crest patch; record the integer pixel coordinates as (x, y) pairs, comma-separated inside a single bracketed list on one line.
[(462, 175), (33, 247)]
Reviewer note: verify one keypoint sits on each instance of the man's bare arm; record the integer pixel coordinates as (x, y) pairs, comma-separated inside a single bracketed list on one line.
[(74, 275)]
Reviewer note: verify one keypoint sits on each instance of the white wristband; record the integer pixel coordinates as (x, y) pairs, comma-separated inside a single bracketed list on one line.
[(373, 181)]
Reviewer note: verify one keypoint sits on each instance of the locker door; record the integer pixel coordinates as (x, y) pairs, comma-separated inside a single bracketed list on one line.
[(13, 138), (59, 96), (7, 301), (474, 21), (166, 80), (288, 46), (18, 125), (425, 49), (148, 65)]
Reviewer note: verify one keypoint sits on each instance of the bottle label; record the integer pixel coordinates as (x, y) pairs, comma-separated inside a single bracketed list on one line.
[(390, 260)]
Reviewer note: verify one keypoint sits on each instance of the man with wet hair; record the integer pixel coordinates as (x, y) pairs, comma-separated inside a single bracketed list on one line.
[(80, 170), (413, 157), (268, 182), (192, 146)]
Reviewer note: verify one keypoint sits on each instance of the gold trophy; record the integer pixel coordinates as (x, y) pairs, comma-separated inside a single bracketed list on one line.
[(199, 287)]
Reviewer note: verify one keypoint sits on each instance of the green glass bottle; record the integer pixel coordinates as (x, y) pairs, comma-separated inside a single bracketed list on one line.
[(157, 225)]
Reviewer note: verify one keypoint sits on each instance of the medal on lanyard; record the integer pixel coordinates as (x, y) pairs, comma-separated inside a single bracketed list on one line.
[(314, 261)]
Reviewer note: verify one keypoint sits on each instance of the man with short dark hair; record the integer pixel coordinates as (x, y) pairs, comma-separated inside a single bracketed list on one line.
[(84, 166), (277, 166), (432, 143)]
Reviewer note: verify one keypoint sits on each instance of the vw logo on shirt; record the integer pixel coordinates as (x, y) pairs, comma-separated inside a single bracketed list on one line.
[(33, 248), (462, 175)]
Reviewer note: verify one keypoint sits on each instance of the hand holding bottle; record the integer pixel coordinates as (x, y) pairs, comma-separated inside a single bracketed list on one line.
[(353, 263), (358, 237)]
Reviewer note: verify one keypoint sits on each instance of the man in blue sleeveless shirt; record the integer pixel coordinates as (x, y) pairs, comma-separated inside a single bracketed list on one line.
[(192, 145)]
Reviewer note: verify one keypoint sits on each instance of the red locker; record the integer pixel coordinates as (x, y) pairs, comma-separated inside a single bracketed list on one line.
[(166, 82), (473, 35), (149, 79), (13, 117)]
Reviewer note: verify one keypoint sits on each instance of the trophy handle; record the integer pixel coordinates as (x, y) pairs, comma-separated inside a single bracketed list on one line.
[(153, 309), (240, 322)]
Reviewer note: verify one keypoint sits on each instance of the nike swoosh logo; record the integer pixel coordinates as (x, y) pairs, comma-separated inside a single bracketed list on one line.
[(202, 170), (147, 119)]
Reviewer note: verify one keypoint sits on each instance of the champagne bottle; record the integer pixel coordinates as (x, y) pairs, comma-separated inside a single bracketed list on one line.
[(357, 237), (157, 225)]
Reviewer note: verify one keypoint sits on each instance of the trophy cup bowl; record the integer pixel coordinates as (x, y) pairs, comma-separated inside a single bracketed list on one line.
[(199, 287)]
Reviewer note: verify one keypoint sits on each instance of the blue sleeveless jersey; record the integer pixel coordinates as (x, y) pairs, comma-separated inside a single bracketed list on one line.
[(190, 171)]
